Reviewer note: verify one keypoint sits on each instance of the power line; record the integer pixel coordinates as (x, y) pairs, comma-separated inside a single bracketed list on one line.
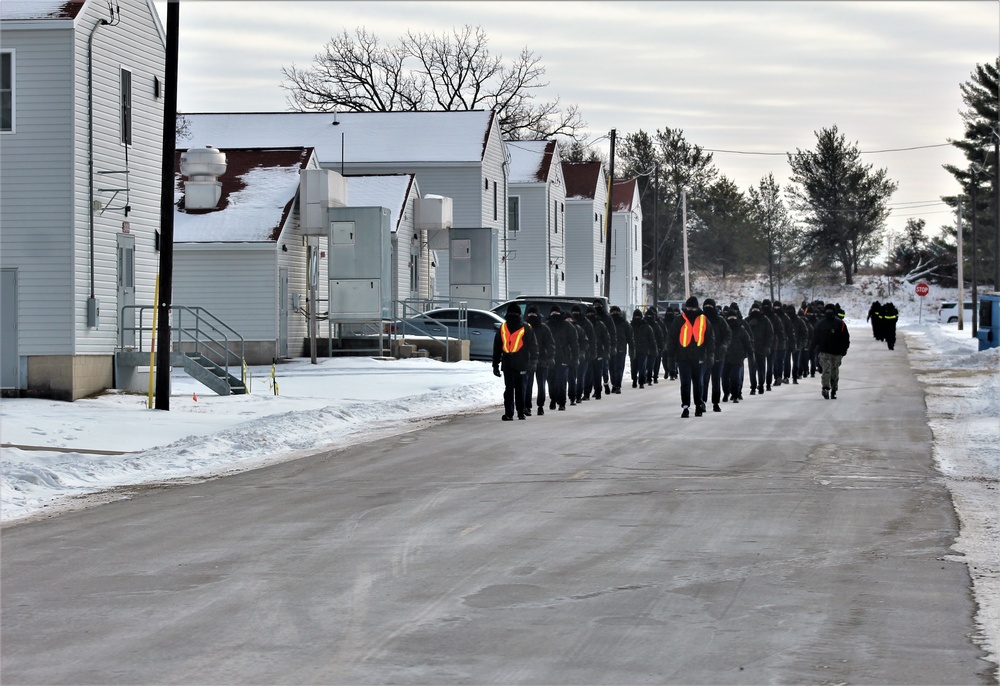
[(862, 152)]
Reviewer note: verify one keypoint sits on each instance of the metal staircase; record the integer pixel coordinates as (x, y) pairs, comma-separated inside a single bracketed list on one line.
[(207, 348)]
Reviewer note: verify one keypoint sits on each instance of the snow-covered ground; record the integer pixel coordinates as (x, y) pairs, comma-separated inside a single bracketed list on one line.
[(56, 452)]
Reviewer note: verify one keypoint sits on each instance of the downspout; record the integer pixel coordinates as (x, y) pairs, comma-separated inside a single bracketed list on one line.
[(506, 210), (91, 302)]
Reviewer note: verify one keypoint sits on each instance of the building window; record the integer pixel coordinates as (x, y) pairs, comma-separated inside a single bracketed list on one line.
[(514, 212), (494, 201), (7, 92), (126, 106), (555, 216)]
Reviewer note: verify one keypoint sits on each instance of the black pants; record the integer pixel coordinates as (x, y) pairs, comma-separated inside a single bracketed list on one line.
[(513, 392)]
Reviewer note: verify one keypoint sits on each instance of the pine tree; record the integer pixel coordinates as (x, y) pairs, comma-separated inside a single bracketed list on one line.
[(843, 201), (980, 145)]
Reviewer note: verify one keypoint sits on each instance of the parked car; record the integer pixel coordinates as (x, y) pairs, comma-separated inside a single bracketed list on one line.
[(482, 326), (948, 312), (544, 303)]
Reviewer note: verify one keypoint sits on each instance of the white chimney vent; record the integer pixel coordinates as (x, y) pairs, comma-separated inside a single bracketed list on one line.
[(202, 167)]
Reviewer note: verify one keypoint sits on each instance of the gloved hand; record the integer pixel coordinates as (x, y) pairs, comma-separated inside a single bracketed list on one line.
[(496, 371)]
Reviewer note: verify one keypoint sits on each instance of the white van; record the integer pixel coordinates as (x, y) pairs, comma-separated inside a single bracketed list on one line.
[(948, 312)]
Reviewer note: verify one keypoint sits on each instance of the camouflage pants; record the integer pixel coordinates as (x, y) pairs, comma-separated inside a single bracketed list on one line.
[(831, 369)]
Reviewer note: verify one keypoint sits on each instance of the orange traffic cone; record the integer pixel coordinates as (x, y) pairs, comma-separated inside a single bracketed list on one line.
[(194, 396)]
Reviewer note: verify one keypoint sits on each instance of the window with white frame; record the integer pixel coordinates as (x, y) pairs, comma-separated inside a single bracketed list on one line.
[(514, 213), (7, 91), (125, 95)]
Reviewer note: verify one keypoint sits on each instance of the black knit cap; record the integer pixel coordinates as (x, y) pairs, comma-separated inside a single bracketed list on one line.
[(709, 302), (691, 302), (514, 309)]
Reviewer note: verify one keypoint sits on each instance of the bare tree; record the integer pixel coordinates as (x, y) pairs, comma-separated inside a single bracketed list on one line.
[(430, 72)]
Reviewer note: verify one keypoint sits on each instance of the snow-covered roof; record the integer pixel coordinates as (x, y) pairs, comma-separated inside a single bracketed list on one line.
[(364, 137), (529, 160), (581, 179), (381, 190), (258, 190), (25, 10)]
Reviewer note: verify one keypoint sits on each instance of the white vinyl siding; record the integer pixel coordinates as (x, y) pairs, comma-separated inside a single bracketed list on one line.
[(239, 285), (36, 184), (585, 242), (135, 45)]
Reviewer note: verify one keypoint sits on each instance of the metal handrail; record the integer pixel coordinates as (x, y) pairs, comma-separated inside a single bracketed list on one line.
[(211, 337), (420, 307)]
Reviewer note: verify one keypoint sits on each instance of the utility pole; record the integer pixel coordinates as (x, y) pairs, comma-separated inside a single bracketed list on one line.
[(656, 235), (961, 274), (608, 237), (162, 400), (684, 228), (975, 256), (996, 202)]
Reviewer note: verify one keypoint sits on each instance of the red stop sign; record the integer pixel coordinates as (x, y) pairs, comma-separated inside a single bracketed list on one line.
[(922, 289)]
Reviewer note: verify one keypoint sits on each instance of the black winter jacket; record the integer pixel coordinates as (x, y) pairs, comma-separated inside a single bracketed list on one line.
[(565, 338), (831, 335)]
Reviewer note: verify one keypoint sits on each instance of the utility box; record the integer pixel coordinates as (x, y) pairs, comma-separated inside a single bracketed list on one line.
[(359, 263), (319, 190), (474, 271), (989, 321)]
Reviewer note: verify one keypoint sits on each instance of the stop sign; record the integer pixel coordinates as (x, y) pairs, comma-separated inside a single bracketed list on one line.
[(922, 289)]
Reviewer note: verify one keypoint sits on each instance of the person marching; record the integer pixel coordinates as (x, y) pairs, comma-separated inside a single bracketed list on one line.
[(689, 341), (889, 315), (875, 317), (740, 347), (623, 333), (609, 324), (763, 334), (567, 351), (516, 350), (777, 344), (832, 339), (603, 345), (546, 359), (643, 345), (717, 356)]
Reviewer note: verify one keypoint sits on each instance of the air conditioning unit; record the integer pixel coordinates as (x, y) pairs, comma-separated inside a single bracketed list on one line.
[(319, 190), (432, 213)]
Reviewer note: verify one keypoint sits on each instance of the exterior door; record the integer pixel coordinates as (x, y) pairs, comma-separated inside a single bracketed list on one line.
[(126, 290), (283, 297), (9, 360)]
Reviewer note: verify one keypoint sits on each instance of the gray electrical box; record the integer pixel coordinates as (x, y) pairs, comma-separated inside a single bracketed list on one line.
[(359, 263), (474, 271)]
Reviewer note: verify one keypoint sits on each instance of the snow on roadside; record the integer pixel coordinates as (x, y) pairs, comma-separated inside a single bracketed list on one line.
[(962, 391)]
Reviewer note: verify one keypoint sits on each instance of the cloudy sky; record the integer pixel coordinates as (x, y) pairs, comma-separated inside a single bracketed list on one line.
[(750, 80)]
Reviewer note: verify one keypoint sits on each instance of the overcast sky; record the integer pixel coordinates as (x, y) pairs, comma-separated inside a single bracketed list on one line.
[(747, 77)]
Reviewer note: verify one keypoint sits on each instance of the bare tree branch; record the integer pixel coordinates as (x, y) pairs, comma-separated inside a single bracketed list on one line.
[(426, 72)]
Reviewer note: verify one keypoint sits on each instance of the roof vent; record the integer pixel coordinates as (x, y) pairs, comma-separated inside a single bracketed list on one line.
[(202, 167)]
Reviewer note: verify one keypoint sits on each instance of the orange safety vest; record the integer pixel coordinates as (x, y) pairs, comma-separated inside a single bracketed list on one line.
[(512, 342), (694, 331)]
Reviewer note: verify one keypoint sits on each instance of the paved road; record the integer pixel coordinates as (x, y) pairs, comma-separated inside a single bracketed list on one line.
[(787, 540)]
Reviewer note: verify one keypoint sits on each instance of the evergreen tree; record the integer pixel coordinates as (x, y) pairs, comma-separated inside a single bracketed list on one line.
[(980, 145), (722, 241), (843, 201), (682, 167), (777, 240)]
